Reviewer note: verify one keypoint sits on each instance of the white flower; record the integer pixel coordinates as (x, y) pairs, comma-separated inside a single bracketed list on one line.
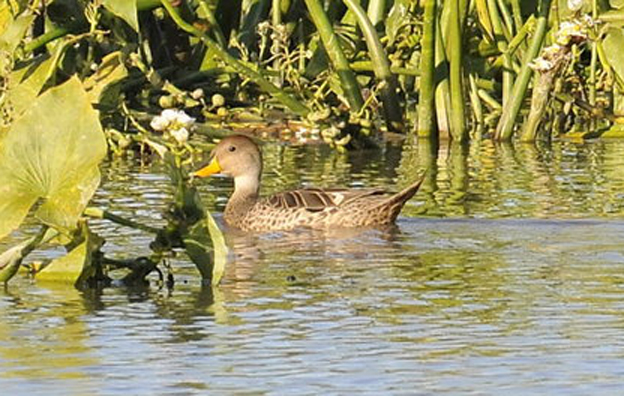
[(180, 135), (551, 51), (159, 123), (171, 119), (541, 64), (184, 119), (568, 31)]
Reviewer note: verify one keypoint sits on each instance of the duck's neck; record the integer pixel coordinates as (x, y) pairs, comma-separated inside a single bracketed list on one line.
[(245, 195)]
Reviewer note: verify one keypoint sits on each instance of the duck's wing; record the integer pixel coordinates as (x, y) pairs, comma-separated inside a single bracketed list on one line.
[(317, 199)]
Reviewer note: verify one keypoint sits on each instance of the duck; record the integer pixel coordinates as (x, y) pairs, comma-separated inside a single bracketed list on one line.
[(239, 157)]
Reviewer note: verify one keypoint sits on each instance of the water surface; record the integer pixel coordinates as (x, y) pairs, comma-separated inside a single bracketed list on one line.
[(504, 275)]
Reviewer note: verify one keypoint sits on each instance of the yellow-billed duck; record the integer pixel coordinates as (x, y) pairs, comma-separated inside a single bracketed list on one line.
[(238, 157)]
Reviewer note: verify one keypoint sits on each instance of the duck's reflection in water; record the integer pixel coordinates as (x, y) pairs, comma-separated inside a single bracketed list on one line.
[(251, 252)]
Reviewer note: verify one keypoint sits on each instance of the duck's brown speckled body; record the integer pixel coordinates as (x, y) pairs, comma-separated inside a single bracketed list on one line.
[(239, 157)]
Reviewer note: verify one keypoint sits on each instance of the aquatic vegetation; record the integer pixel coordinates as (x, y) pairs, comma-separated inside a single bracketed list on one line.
[(83, 78), (49, 159), (462, 70)]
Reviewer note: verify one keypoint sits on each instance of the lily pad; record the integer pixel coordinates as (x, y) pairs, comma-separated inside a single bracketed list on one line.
[(51, 155)]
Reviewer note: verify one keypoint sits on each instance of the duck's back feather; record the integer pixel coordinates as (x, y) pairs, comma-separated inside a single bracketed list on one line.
[(317, 199)]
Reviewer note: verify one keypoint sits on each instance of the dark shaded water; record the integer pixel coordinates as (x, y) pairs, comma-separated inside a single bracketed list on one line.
[(505, 275)]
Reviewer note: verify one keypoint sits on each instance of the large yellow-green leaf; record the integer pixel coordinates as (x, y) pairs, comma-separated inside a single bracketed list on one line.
[(205, 246), (51, 154), (76, 266), (25, 83), (613, 44), (219, 247), (125, 9)]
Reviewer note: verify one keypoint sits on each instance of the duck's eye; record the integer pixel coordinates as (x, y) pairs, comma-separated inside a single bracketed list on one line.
[(232, 148)]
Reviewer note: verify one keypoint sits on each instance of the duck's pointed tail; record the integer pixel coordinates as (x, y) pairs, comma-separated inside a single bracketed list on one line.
[(396, 202)]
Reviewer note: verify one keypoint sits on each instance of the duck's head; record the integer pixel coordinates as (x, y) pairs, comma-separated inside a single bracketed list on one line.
[(236, 156)]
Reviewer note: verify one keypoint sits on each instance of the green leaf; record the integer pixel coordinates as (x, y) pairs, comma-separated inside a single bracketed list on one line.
[(51, 155), (397, 18), (202, 238), (77, 266), (205, 246), (125, 9), (26, 83), (617, 4), (102, 85), (11, 259), (11, 37), (219, 247), (612, 45)]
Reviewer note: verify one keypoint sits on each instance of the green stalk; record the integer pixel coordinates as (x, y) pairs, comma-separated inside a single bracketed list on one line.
[(393, 113), (216, 28), (501, 43), (276, 12), (509, 25), (293, 104), (426, 104), (97, 213), (454, 45), (594, 62), (477, 106), (336, 55), (505, 127), (47, 37), (517, 12), (376, 11), (276, 20), (442, 92)]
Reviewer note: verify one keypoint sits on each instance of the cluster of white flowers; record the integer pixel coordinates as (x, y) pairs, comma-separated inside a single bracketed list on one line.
[(175, 122), (571, 31)]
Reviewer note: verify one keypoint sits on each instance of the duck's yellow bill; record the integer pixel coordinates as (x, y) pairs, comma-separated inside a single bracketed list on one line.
[(211, 169)]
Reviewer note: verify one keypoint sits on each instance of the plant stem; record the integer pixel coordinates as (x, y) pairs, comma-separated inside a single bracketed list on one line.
[(426, 104), (215, 27), (376, 9), (501, 43), (505, 127), (442, 90), (454, 42), (47, 37), (387, 81), (287, 100), (104, 214), (336, 55)]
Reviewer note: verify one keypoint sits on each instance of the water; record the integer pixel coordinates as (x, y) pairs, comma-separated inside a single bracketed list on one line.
[(505, 275)]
